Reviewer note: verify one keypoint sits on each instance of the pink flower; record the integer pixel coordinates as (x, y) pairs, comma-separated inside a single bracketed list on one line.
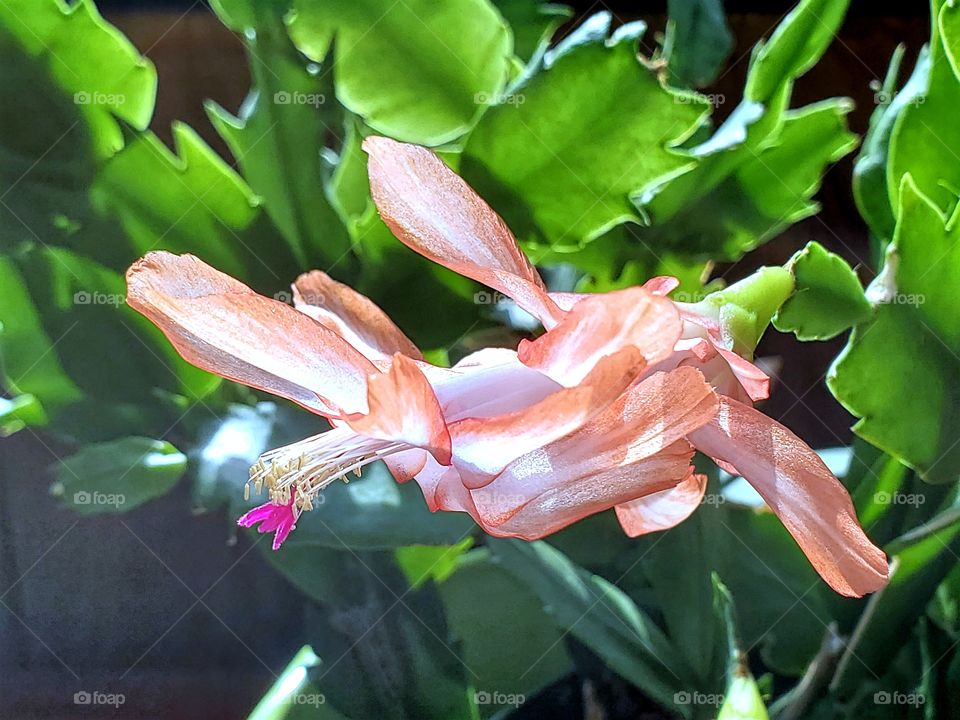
[(602, 411)]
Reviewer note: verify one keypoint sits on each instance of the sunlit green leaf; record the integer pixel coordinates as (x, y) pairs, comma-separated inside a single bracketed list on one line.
[(561, 155), (828, 298), (417, 70)]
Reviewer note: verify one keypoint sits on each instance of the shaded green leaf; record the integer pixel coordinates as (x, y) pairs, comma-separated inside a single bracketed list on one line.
[(870, 169), (600, 615), (925, 132), (507, 639), (910, 347), (921, 560), (293, 696), (698, 39), (29, 362), (279, 137), (119, 475), (533, 24)]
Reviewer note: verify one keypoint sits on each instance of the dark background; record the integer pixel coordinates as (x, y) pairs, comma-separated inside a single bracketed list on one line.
[(205, 624)]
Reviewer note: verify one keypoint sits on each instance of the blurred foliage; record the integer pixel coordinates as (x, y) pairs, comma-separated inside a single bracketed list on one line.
[(610, 168)]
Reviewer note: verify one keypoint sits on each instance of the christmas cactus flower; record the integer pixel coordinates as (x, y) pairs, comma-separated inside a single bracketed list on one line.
[(603, 410)]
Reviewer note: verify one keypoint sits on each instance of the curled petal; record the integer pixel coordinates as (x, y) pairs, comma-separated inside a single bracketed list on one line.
[(403, 407), (483, 447), (465, 389), (662, 284), (354, 316), (222, 326), (434, 212), (405, 465), (664, 509), (505, 511), (600, 325), (754, 381), (607, 461), (803, 493)]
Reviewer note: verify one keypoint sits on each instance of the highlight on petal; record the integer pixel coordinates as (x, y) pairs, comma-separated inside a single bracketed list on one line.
[(434, 212), (803, 493), (404, 466), (354, 316), (222, 326), (404, 408), (281, 520), (754, 381), (662, 284), (483, 447), (504, 513), (465, 389), (664, 509), (600, 325), (633, 448)]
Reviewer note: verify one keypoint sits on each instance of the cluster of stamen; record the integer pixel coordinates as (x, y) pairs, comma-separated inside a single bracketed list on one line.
[(305, 468)]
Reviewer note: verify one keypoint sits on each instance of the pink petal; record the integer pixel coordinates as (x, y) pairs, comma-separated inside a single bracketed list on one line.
[(752, 379), (352, 315), (465, 389), (403, 407), (799, 488), (633, 448), (433, 211), (600, 325), (221, 325), (505, 514), (664, 509), (662, 285), (405, 465), (483, 447)]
